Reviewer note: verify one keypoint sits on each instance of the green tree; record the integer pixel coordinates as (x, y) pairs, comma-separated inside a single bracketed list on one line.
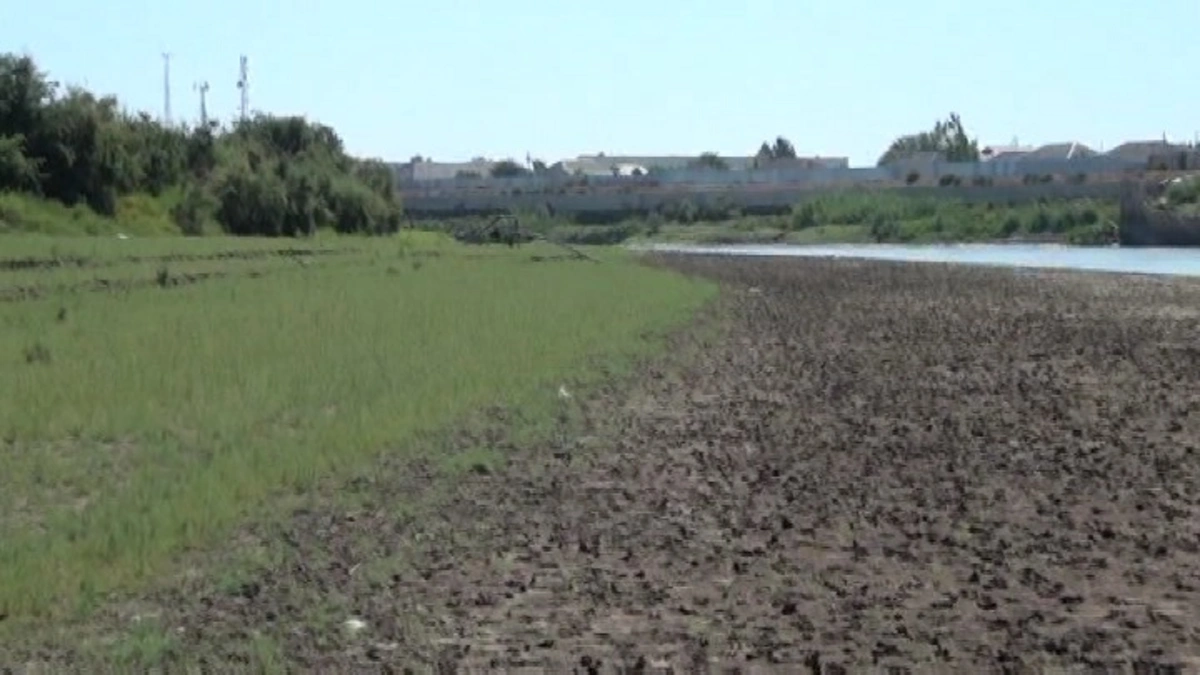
[(947, 138), (266, 176), (710, 160), (508, 169), (783, 149), (17, 171), (24, 91), (765, 153), (768, 152)]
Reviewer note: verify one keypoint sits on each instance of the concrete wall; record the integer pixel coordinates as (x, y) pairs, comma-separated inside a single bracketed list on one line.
[(700, 177), (929, 171), (763, 188), (1016, 167), (745, 197)]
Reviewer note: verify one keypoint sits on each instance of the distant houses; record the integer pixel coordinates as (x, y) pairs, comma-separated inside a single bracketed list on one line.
[(420, 170), (995, 160), (1004, 152), (1065, 157), (632, 165)]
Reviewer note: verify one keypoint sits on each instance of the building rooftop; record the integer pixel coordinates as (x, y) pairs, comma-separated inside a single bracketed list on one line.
[(1066, 150), (1141, 151)]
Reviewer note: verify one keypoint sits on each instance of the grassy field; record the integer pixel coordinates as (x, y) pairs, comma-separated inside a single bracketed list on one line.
[(147, 420)]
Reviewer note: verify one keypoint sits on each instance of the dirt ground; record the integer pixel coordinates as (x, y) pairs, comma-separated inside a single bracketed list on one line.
[(874, 465)]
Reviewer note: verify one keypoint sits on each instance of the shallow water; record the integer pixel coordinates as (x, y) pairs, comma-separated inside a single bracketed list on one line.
[(1175, 261)]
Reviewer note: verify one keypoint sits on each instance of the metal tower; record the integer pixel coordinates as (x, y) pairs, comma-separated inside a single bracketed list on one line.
[(244, 85), (202, 87), (166, 56)]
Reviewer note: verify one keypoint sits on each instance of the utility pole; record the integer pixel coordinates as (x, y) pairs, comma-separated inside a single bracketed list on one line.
[(166, 56), (244, 85), (202, 87)]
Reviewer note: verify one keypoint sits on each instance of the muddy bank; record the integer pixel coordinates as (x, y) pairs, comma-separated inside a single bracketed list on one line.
[(876, 465)]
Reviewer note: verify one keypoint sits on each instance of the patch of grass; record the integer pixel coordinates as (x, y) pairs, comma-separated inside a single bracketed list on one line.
[(1185, 192), (831, 234), (137, 215), (146, 645), (475, 460), (165, 418), (266, 655), (37, 245)]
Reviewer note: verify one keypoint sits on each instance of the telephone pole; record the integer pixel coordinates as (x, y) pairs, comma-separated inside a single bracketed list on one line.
[(166, 56), (202, 87), (244, 85)]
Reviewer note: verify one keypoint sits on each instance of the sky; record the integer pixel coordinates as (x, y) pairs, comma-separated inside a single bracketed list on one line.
[(451, 79)]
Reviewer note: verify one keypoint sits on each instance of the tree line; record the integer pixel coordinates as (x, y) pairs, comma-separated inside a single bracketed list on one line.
[(263, 176)]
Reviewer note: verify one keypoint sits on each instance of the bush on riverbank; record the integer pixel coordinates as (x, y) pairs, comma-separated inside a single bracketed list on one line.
[(892, 217), (851, 217)]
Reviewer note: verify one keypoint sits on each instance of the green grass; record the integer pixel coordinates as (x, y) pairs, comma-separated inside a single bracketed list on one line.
[(891, 217), (37, 245), (137, 215), (830, 234), (850, 216), (149, 423)]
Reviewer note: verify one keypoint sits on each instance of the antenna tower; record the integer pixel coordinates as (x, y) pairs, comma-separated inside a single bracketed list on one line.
[(202, 87), (166, 56), (244, 85)]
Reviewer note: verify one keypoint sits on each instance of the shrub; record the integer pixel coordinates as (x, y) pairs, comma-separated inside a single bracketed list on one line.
[(194, 211), (1010, 226), (804, 216), (884, 229), (1041, 222), (1067, 221)]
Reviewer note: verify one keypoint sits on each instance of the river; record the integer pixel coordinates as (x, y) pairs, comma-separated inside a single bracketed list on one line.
[(1172, 261)]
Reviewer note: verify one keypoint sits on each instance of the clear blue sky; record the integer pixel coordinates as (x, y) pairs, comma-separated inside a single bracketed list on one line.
[(453, 79)]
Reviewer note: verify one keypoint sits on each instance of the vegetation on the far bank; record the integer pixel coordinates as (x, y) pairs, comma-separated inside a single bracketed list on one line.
[(852, 216), (1184, 197), (73, 162)]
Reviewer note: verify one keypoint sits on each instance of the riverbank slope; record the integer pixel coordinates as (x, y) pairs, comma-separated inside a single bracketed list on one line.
[(857, 464)]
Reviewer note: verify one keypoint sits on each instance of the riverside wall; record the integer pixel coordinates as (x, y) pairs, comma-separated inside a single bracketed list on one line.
[(748, 198)]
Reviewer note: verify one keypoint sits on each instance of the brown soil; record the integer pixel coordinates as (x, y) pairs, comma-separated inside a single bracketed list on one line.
[(876, 465)]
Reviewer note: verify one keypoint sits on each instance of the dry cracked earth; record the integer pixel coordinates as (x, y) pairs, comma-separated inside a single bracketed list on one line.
[(871, 466)]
